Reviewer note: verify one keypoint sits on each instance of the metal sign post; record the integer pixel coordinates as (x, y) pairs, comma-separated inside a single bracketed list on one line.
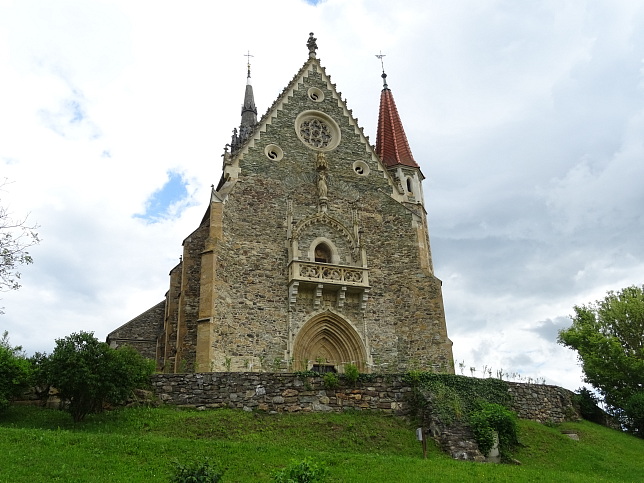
[(420, 436)]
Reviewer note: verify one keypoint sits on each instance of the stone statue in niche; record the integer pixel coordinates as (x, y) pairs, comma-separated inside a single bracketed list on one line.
[(322, 186)]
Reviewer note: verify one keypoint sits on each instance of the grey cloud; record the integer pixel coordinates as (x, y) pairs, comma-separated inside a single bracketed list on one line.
[(549, 329)]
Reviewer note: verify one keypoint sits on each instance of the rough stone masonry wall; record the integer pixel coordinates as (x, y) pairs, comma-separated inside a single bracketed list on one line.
[(288, 392), (543, 403), (189, 299), (141, 332), (277, 392)]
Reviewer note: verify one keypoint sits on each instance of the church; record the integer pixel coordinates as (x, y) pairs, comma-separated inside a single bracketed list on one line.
[(313, 252)]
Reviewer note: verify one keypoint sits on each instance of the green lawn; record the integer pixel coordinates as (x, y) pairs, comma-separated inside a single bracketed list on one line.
[(141, 444)]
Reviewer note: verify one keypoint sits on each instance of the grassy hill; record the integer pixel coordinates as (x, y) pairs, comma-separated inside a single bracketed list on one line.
[(140, 444)]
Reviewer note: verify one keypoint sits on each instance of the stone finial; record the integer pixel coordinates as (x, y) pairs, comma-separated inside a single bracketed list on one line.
[(312, 45), (227, 156)]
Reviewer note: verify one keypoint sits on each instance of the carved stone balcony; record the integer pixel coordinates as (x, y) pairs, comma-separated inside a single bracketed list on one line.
[(328, 277), (327, 273)]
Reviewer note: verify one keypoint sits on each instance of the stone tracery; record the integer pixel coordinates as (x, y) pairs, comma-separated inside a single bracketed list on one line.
[(316, 133), (325, 219)]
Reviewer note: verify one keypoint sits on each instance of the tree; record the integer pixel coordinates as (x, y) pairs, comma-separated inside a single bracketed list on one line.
[(608, 336), (88, 373), (15, 371), (15, 237), (634, 410)]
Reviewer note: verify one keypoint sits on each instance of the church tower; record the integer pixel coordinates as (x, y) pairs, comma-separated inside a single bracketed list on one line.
[(313, 252), (394, 151)]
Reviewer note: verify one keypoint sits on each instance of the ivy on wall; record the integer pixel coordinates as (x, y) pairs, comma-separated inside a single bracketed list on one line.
[(454, 396), (483, 404)]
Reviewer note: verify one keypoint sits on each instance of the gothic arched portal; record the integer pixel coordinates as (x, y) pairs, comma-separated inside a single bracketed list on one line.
[(328, 339)]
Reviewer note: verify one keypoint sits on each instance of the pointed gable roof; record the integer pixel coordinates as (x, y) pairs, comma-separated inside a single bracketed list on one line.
[(240, 147), (391, 142), (312, 64)]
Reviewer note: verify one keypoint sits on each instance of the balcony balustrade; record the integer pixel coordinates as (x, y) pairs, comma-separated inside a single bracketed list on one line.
[(327, 273)]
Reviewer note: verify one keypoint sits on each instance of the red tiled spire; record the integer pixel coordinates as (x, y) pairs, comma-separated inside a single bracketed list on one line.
[(391, 142)]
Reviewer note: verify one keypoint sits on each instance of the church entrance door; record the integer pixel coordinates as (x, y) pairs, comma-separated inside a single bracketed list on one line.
[(328, 339)]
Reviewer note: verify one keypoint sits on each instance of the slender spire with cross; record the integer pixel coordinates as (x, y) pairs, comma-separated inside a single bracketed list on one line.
[(382, 64), (248, 113)]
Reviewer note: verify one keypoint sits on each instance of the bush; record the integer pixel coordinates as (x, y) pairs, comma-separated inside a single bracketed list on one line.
[(15, 372), (331, 380), (352, 373), (205, 472), (489, 418), (588, 407), (305, 471), (88, 373)]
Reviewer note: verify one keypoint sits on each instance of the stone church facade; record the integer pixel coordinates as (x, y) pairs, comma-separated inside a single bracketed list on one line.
[(313, 252)]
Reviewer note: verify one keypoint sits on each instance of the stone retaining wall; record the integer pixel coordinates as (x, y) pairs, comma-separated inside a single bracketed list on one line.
[(277, 392), (543, 403), (287, 392)]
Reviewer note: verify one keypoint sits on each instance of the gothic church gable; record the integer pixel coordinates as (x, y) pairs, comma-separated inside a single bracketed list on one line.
[(308, 117)]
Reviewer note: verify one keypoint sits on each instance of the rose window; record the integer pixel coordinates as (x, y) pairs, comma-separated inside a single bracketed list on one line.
[(317, 130)]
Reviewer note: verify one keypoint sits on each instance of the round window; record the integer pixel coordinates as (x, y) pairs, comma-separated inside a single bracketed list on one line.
[(274, 152), (317, 130), (315, 94), (361, 168)]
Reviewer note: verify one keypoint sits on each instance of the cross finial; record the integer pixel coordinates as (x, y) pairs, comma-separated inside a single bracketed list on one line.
[(380, 56), (248, 55), (382, 64)]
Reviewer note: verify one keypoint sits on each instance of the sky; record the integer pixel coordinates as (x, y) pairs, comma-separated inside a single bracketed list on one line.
[(527, 119)]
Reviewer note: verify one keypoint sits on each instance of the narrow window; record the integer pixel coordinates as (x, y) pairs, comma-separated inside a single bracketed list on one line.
[(409, 188), (323, 253)]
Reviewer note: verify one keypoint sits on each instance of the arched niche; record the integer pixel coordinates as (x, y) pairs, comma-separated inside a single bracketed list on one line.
[(323, 250), (327, 338), (410, 185)]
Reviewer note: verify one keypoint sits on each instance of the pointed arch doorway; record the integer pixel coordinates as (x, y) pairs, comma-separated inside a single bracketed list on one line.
[(327, 341)]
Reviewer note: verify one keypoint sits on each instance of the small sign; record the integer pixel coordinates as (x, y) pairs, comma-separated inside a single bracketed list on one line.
[(419, 434)]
